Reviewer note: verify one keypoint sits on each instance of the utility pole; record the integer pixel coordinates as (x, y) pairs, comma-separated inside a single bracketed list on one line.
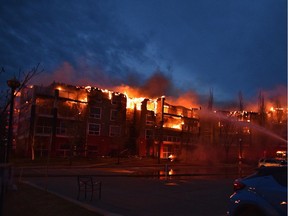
[(241, 106), (241, 109), (210, 100)]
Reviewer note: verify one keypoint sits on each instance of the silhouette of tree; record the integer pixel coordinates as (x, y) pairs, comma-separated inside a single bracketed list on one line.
[(228, 130), (23, 79)]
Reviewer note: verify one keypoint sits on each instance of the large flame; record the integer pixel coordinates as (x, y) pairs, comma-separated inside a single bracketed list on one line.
[(137, 103)]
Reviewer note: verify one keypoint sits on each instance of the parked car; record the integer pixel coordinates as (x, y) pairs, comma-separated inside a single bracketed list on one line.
[(283, 163), (268, 162), (264, 193)]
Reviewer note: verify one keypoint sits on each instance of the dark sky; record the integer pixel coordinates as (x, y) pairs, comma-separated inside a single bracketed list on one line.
[(198, 45)]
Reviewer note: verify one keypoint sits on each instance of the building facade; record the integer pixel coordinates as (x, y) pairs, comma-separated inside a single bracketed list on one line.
[(63, 120)]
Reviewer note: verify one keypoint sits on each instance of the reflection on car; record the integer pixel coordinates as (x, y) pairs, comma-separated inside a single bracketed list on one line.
[(263, 193), (268, 162)]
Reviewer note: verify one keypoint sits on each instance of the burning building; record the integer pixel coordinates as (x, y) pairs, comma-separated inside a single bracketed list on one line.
[(61, 119), (65, 120)]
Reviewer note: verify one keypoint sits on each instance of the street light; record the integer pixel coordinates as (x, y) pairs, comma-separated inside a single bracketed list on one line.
[(13, 84)]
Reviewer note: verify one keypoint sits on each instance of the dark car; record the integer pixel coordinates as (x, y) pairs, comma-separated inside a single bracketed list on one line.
[(268, 162), (263, 193)]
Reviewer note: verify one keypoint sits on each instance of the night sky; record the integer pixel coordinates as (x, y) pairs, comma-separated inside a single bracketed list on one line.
[(177, 45)]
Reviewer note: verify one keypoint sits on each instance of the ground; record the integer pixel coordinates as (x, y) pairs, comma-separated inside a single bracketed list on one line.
[(30, 201)]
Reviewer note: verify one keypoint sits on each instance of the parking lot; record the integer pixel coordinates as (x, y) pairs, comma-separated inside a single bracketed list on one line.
[(126, 194)]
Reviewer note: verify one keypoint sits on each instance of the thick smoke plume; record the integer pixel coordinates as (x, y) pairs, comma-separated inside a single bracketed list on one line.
[(157, 85)]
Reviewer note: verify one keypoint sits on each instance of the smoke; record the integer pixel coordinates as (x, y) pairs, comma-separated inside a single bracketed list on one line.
[(272, 98), (201, 153), (188, 99), (276, 97), (156, 85), (78, 76)]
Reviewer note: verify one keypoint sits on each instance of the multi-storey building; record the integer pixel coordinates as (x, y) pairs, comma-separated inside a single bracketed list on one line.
[(166, 129), (62, 119), (241, 135)]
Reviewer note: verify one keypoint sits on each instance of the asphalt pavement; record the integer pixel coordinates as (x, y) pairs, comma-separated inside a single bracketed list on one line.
[(143, 190)]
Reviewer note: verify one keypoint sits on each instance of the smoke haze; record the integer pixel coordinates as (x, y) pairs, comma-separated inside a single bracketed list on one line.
[(156, 85)]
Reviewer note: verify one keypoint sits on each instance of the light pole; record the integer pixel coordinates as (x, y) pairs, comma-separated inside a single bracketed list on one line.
[(13, 84)]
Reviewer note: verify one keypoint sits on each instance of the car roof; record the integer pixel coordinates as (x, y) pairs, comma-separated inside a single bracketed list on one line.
[(271, 170), (278, 173), (269, 160)]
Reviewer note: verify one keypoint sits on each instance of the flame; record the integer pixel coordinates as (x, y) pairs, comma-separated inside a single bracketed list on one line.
[(84, 100), (135, 97), (88, 88), (152, 105), (137, 103), (173, 126), (174, 123), (134, 102)]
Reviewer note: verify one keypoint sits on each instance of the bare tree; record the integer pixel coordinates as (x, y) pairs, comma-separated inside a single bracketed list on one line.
[(15, 85), (210, 100), (262, 109), (23, 77), (241, 106), (228, 130), (279, 113)]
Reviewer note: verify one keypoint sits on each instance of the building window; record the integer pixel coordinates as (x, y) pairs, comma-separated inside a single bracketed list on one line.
[(166, 152), (67, 94), (41, 129), (44, 107), (149, 119), (113, 115), (95, 112), (94, 129), (114, 131), (44, 126), (44, 110), (62, 129), (173, 139)]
